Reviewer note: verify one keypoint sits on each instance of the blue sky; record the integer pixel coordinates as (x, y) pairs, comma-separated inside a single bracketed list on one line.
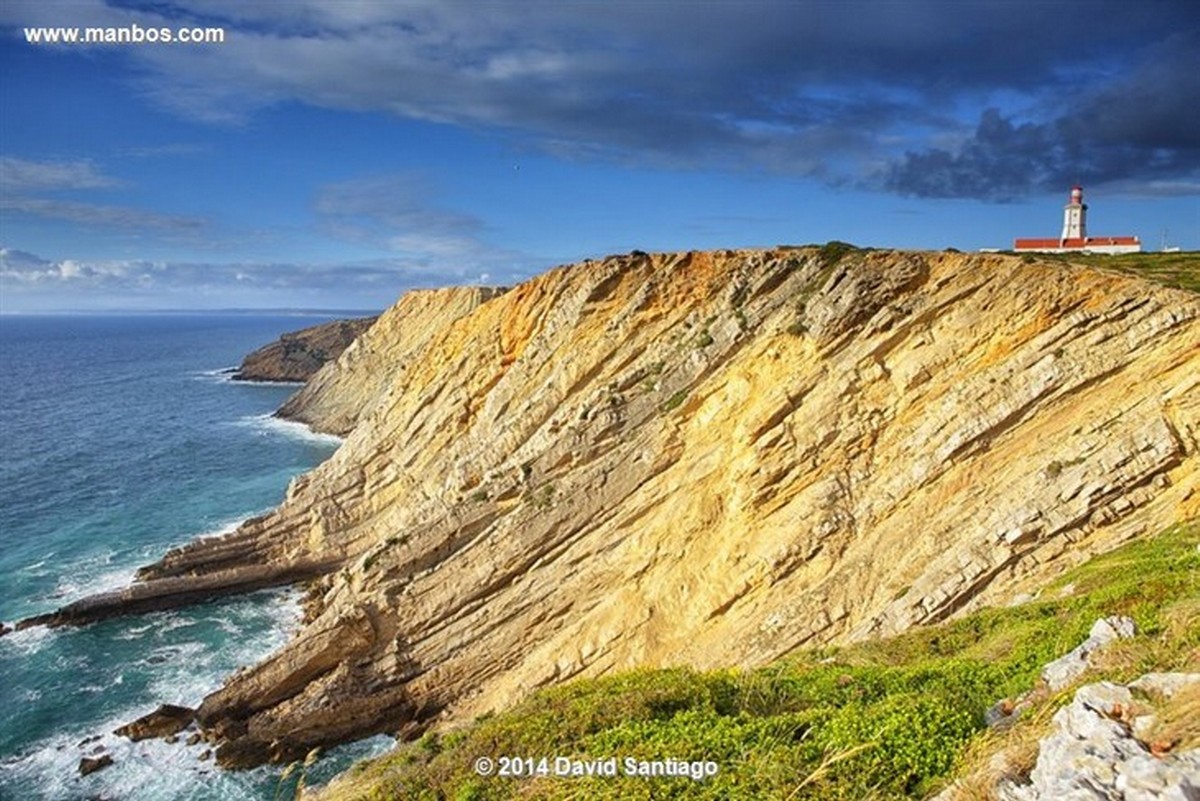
[(333, 154)]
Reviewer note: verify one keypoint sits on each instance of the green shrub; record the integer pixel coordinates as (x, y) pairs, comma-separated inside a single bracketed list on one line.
[(834, 251), (884, 719), (675, 400)]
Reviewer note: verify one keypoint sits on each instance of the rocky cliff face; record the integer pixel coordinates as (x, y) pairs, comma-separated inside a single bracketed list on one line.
[(297, 355), (703, 458), (342, 391)]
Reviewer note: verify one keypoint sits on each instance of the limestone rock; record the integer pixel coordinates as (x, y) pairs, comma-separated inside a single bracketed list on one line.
[(166, 721), (345, 389), (1061, 672), (1093, 754), (1165, 685), (295, 356), (709, 458)]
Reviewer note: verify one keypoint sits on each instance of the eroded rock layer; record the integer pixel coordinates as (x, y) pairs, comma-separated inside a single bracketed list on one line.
[(705, 458), (341, 392), (297, 355)]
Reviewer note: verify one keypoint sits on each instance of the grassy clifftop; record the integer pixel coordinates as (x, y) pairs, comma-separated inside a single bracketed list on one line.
[(893, 718), (1176, 270)]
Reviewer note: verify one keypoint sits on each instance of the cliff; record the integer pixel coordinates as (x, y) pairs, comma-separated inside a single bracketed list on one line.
[(343, 390), (295, 356), (704, 459)]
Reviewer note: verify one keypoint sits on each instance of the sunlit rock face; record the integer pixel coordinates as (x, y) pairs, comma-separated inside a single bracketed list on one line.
[(700, 458)]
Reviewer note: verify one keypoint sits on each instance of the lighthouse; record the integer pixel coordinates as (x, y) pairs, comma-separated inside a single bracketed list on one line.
[(1075, 216), (1075, 237)]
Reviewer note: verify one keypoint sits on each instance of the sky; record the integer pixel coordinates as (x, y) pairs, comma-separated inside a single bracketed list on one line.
[(335, 154)]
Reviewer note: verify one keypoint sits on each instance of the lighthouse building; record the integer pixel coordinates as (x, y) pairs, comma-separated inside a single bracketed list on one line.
[(1075, 237)]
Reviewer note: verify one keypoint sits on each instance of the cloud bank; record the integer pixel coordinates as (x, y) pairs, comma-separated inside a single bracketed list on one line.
[(899, 97), (139, 283)]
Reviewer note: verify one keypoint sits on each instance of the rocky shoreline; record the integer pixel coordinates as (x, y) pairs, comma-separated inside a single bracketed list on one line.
[(505, 512)]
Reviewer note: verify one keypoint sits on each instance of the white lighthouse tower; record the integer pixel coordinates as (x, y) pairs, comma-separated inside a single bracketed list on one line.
[(1075, 237), (1075, 216)]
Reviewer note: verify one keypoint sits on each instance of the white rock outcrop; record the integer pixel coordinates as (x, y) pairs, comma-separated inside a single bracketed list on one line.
[(1064, 670), (1094, 752)]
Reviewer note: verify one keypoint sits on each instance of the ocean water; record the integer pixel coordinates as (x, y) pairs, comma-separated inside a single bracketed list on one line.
[(121, 437)]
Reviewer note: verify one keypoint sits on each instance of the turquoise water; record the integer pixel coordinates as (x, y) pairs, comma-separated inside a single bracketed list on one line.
[(120, 437)]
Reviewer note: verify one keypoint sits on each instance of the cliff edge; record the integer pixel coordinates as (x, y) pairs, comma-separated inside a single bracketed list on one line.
[(297, 355), (703, 458), (342, 391)]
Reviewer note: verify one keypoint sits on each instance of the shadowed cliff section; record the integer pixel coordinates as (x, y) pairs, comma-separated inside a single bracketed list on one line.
[(705, 458), (297, 355)]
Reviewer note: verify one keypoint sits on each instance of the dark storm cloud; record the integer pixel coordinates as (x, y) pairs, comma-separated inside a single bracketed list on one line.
[(1138, 131), (849, 93)]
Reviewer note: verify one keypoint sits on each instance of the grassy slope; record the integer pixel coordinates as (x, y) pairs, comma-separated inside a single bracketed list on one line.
[(887, 719), (1177, 270)]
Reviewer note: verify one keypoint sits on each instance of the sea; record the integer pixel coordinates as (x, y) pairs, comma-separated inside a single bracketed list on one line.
[(122, 436)]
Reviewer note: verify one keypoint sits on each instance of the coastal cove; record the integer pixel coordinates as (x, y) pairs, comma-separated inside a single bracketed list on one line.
[(123, 437)]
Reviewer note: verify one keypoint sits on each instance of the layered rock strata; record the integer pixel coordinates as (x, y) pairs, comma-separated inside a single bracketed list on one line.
[(711, 459), (342, 391), (297, 355)]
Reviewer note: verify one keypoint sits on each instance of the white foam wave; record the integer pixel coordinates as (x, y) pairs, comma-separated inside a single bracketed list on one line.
[(183, 673), (169, 621), (258, 382), (269, 425), (134, 632), (30, 641), (186, 672), (36, 569), (150, 769), (154, 552), (80, 581), (223, 375), (117, 681)]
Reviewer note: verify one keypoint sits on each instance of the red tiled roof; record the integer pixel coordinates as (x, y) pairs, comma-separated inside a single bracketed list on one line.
[(1023, 244)]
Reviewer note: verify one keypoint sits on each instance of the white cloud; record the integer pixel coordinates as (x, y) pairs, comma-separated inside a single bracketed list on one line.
[(98, 215), (395, 212), (114, 283), (20, 175)]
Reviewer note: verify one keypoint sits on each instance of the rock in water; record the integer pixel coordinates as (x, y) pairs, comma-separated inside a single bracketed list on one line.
[(165, 721), (297, 355), (89, 765)]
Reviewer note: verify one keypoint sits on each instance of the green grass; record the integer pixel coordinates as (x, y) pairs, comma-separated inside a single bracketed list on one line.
[(674, 401), (888, 719), (1176, 270), (833, 251)]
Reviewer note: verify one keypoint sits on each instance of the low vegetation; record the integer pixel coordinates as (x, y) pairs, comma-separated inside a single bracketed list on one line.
[(888, 719), (1176, 270)]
